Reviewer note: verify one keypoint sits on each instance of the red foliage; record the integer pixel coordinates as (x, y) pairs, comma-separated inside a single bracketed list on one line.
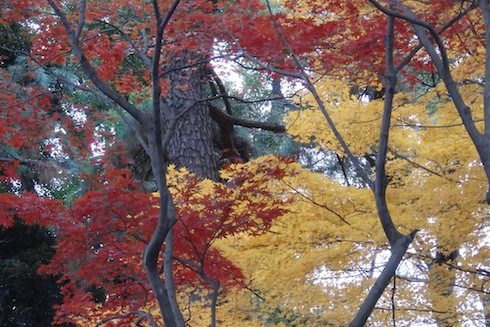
[(102, 236)]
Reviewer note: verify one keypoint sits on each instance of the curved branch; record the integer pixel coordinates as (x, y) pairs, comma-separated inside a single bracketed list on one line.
[(398, 250), (142, 314), (81, 18), (450, 23), (410, 17), (141, 54), (486, 88), (309, 85), (381, 182), (220, 116), (440, 60), (222, 90), (90, 71)]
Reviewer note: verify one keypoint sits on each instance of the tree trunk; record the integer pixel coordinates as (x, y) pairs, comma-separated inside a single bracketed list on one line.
[(190, 146), (442, 279), (191, 143), (485, 300)]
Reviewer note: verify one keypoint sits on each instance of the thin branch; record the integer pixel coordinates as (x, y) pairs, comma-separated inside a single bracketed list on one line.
[(341, 162), (393, 302), (411, 18), (109, 102), (434, 126), (81, 18), (198, 63), (142, 314), (245, 101), (222, 89), (486, 90), (29, 99), (91, 71), (304, 77), (324, 206), (141, 54), (272, 69), (218, 114), (169, 14), (381, 182)]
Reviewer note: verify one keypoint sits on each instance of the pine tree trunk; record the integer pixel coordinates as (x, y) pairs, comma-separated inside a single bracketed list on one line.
[(191, 144)]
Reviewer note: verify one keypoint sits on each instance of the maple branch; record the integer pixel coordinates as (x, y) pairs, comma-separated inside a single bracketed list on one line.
[(411, 18), (81, 18), (324, 206), (341, 162), (142, 314), (398, 250), (451, 86), (29, 99), (132, 127), (412, 53), (486, 88), (168, 271), (164, 291), (108, 101), (381, 181), (197, 63), (397, 155), (141, 54), (272, 69), (91, 71), (309, 85), (441, 63), (219, 115), (439, 58), (393, 304), (434, 126), (399, 243)]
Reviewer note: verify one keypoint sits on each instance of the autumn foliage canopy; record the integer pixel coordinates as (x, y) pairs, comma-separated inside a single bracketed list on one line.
[(389, 108)]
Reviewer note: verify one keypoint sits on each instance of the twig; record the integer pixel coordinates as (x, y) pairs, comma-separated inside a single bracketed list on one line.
[(142, 314)]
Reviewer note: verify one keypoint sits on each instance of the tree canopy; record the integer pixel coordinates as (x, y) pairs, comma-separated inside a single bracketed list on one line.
[(251, 163)]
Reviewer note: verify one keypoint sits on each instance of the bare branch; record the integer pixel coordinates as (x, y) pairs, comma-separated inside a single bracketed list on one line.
[(222, 90), (312, 201), (413, 163), (486, 90), (433, 126), (81, 18), (380, 182), (142, 314), (218, 114), (272, 69)]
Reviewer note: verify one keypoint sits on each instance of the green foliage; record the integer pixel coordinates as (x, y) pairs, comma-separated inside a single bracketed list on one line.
[(14, 42)]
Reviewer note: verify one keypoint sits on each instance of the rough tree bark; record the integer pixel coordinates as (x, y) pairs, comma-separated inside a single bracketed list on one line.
[(178, 130), (191, 143)]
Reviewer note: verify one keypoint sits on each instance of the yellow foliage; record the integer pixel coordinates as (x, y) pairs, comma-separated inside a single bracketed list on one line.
[(318, 262)]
